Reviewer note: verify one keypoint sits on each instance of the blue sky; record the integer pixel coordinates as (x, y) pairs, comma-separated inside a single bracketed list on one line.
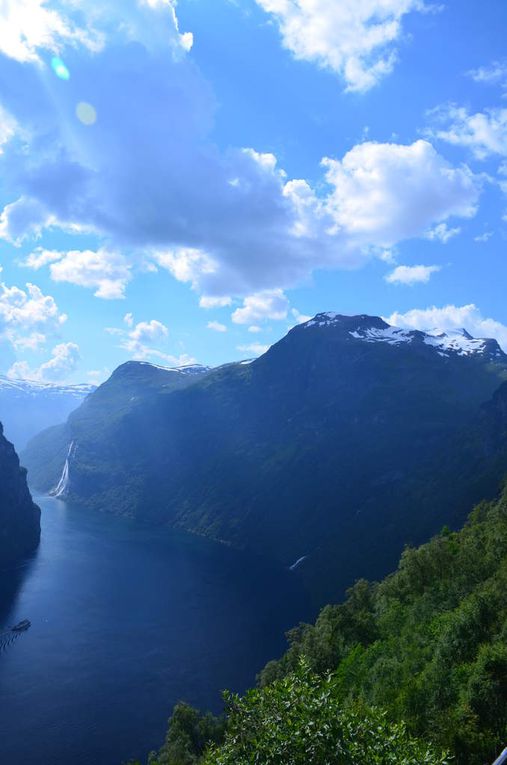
[(185, 182)]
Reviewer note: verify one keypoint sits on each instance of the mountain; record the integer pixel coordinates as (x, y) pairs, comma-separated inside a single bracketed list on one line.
[(28, 407), (130, 387), (19, 516), (348, 439)]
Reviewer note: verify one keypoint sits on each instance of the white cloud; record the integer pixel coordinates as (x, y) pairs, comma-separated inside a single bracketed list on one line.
[(385, 193), (485, 237), (64, 360), (354, 38), (26, 316), (7, 127), (257, 349), (31, 28), (270, 304), (494, 74), (442, 233), (108, 273), (411, 274), (188, 264), (300, 318), (98, 376), (141, 340), (23, 218), (28, 26), (206, 301), (467, 317), (484, 133), (254, 329), (146, 332), (30, 308), (216, 326)]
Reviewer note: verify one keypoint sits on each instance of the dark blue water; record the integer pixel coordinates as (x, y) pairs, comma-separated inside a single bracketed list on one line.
[(125, 622)]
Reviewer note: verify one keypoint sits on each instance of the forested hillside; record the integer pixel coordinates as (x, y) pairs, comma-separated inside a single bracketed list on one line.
[(419, 657)]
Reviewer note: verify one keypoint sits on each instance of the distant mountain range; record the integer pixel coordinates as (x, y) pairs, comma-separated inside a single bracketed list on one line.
[(347, 440), (19, 516), (28, 407)]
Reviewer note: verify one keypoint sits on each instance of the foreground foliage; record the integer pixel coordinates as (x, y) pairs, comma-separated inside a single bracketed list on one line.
[(300, 720)]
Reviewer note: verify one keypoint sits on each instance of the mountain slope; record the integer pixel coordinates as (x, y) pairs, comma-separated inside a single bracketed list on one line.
[(28, 407), (19, 516), (131, 386), (346, 440)]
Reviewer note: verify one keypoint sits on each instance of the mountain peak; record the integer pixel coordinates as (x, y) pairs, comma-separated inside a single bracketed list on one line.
[(346, 323), (373, 329)]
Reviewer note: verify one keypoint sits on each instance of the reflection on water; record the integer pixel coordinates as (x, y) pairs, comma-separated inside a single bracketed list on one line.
[(125, 622), (11, 582)]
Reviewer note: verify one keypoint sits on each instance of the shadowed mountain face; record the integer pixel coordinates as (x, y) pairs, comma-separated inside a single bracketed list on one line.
[(28, 407), (346, 440), (19, 516)]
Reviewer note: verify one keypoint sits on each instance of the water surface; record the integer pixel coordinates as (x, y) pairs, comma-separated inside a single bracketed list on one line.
[(126, 621)]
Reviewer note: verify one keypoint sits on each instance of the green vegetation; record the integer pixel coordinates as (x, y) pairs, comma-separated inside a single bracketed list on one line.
[(298, 720), (420, 657)]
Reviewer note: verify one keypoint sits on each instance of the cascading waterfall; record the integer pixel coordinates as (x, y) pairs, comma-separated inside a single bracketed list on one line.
[(61, 488)]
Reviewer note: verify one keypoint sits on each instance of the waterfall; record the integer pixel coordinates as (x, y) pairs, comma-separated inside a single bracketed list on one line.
[(63, 484)]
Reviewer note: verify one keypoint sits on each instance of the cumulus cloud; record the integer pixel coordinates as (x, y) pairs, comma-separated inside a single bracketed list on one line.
[(356, 39), (106, 272), (442, 233), (142, 341), (27, 316), (385, 193), (147, 179), (411, 274), (467, 317), (216, 326), (271, 304), (64, 360), (483, 133), (30, 28), (257, 349)]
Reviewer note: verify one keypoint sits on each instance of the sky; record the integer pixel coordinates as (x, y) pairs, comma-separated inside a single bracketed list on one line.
[(184, 182)]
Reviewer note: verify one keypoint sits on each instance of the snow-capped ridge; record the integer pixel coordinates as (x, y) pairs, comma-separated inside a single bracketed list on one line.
[(373, 329), (34, 387)]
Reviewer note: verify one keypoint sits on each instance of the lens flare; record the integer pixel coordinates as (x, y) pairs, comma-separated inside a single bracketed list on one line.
[(60, 69), (86, 113)]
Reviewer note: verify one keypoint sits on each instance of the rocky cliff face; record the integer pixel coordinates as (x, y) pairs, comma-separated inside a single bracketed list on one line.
[(19, 516)]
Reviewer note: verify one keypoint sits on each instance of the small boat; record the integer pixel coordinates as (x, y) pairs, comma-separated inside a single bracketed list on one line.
[(22, 626)]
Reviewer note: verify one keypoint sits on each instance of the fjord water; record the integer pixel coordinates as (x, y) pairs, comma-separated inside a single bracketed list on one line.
[(126, 621)]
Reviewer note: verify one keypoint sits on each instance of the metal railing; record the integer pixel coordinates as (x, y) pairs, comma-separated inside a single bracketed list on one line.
[(502, 759)]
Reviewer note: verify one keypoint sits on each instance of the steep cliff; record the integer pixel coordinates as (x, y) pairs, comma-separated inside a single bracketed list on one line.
[(19, 516)]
